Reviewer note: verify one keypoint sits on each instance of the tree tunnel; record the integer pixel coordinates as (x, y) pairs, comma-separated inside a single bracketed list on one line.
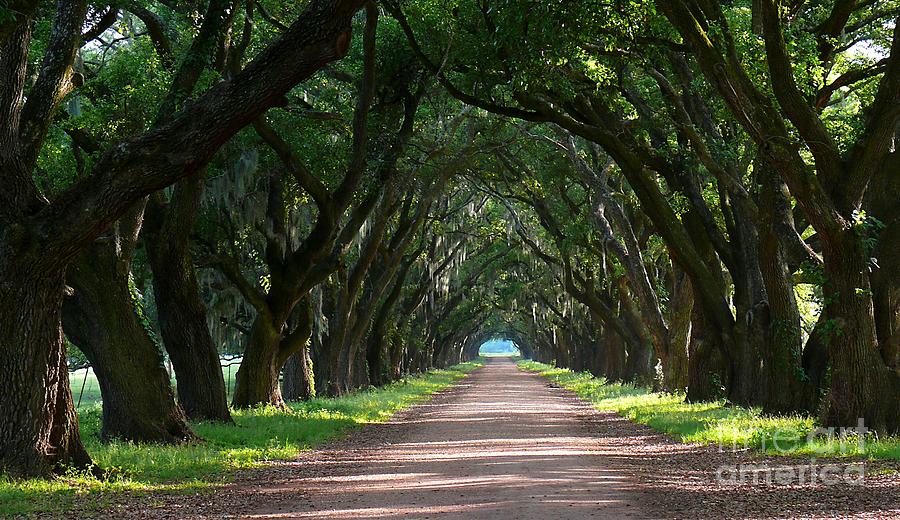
[(680, 215)]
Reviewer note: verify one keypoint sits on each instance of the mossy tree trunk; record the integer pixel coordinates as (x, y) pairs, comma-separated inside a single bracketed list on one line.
[(298, 383), (101, 319), (181, 313), (39, 436)]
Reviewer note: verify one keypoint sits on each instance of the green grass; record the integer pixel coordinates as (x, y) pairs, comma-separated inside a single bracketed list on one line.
[(259, 435), (714, 422), (85, 388)]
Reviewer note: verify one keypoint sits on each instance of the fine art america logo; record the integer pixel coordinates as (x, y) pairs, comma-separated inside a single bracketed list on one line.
[(835, 440)]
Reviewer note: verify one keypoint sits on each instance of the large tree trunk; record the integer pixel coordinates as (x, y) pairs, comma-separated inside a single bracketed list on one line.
[(397, 367), (297, 377), (705, 367), (785, 389), (815, 362), (884, 194), (375, 353), (597, 362), (579, 356), (861, 384), (138, 401), (268, 348), (339, 357), (614, 356), (320, 354), (334, 363), (39, 435), (886, 294), (561, 344), (256, 381), (38, 424), (360, 378), (730, 336), (349, 369), (638, 367), (675, 366), (744, 355), (180, 310), (748, 339)]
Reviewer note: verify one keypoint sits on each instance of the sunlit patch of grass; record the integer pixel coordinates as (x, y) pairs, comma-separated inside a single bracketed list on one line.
[(716, 422), (885, 448), (259, 435), (24, 497)]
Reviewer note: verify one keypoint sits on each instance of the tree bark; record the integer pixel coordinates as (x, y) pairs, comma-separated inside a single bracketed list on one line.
[(380, 372), (297, 377), (336, 363), (706, 378), (815, 362), (637, 366), (561, 347), (398, 364), (614, 357), (884, 194), (861, 384), (39, 434), (256, 381), (138, 401), (886, 295), (181, 312), (675, 367), (785, 388), (360, 376)]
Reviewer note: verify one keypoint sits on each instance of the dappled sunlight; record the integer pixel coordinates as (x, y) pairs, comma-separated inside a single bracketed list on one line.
[(504, 447), (259, 436), (707, 423), (393, 511)]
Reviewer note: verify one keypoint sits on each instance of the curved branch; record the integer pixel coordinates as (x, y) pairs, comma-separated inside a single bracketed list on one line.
[(134, 168), (793, 102), (438, 73), (312, 185), (155, 28), (56, 78)]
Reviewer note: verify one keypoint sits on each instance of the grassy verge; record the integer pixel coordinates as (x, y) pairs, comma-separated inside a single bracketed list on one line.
[(714, 422), (259, 435)]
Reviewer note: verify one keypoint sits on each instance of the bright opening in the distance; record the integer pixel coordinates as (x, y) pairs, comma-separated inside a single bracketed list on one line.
[(498, 347)]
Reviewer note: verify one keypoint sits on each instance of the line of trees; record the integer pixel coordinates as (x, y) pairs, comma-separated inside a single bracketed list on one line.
[(758, 141), (692, 195)]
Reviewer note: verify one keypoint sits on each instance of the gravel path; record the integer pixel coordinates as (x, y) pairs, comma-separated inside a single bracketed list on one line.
[(507, 445)]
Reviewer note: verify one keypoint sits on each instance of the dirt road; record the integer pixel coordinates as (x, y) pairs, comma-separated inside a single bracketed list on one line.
[(501, 444), (504, 444)]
